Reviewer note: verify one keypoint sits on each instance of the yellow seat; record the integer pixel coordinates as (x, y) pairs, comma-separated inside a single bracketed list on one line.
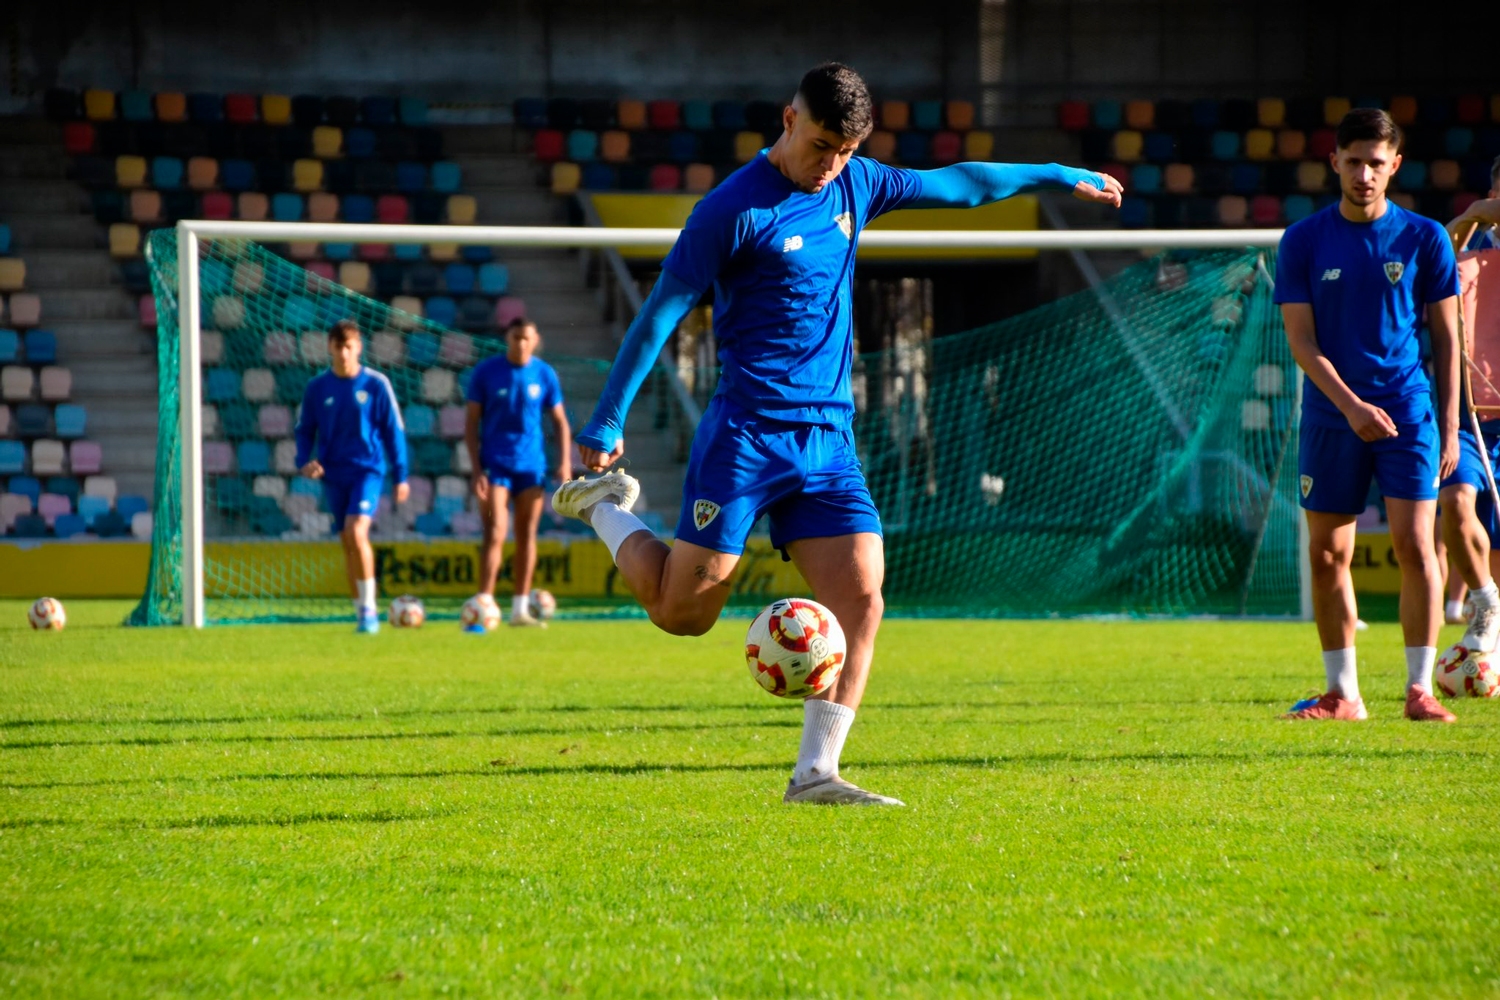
[(1140, 115), (202, 173), (12, 274), (747, 145), (307, 175), (130, 171), (566, 177), (327, 142), (632, 114), (979, 146), (322, 207), (1291, 144), (698, 178), (99, 105), (276, 109), (355, 276), (171, 106), (443, 252), (145, 205), (881, 145), (1334, 110), (614, 146), (1404, 110), (1260, 144), (1312, 176), (124, 239), (1270, 112), (254, 206), (463, 209), (1126, 145)]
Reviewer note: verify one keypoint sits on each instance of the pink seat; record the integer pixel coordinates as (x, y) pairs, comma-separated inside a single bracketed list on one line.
[(275, 421), (421, 494), (323, 269), (457, 350), (13, 505), (451, 421), (49, 505), (4, 421), (218, 458), (85, 458), (146, 311), (280, 348), (508, 309), (374, 251), (665, 177), (25, 309), (57, 384)]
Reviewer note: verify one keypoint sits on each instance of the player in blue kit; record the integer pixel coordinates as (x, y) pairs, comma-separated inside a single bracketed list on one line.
[(776, 242), (1354, 282), (351, 414), (508, 395)]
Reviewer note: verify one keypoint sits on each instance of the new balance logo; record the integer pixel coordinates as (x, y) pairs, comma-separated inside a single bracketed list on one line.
[(1332, 274), (791, 243)]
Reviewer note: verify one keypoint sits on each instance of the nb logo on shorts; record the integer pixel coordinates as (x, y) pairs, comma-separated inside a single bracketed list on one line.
[(791, 243), (704, 512), (1332, 274), (1306, 486)]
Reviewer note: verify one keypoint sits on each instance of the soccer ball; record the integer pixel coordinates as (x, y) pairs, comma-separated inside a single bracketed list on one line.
[(406, 612), (1462, 671), (795, 648), (543, 604), (481, 609), (47, 613)]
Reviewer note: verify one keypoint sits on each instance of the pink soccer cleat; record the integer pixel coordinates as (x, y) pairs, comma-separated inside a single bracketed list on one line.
[(1421, 706), (1331, 706)]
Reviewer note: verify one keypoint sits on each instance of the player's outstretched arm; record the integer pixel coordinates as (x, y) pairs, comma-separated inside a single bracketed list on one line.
[(393, 436), (966, 185), (601, 441)]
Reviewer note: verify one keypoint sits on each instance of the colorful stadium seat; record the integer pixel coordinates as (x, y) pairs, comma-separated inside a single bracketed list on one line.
[(55, 384), (359, 143), (12, 274), (959, 115), (1179, 178), (1127, 146), (1145, 178), (447, 177), (33, 420), (47, 457), (698, 178), (1334, 110), (664, 115), (286, 207), (1260, 144), (392, 209), (411, 177), (895, 116), (1265, 210), (50, 505), (130, 171), (135, 106), (78, 138), (927, 115), (1108, 114), (666, 177), (461, 209), (698, 115), (1403, 110), (947, 147), (99, 105), (70, 421), (508, 309), (729, 116), (1291, 144), (979, 146), (10, 347), (1270, 112), (26, 308), (1140, 115), (307, 175), (12, 457)]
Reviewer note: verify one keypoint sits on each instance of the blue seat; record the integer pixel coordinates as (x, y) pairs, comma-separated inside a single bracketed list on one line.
[(1458, 141), (359, 208), (238, 420), (729, 116), (339, 251), (446, 507), (254, 457), (598, 177), (269, 521), (89, 508), (33, 420), (1160, 147), (1205, 113), (237, 175), (424, 279), (41, 347), (68, 525), (422, 347), (65, 486), (407, 251), (1297, 207), (1412, 176), (302, 486), (135, 106), (4, 237), (927, 115), (530, 112), (458, 279), (71, 420), (411, 177), (359, 143), (26, 486), (1145, 178), (229, 494), (698, 115), (682, 147), (1244, 179), (421, 421), (913, 148), (442, 310), (413, 111), (222, 385), (427, 524), (1224, 145), (207, 109), (378, 110), (10, 347), (1135, 213), (30, 526), (475, 254), (494, 279), (166, 173), (1108, 114), (12, 457), (299, 313), (111, 525), (446, 177), (286, 207)]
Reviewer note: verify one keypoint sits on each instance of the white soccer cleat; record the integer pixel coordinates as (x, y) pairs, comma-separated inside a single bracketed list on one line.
[(578, 495), (525, 620), (1484, 623), (835, 791)]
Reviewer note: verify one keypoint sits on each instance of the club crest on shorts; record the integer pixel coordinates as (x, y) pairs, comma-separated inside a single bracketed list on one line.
[(1306, 486), (704, 512), (1393, 270), (846, 224)]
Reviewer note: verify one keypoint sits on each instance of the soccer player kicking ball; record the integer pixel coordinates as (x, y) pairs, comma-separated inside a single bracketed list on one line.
[(776, 242), (503, 431), (1353, 282), (351, 414), (1470, 525)]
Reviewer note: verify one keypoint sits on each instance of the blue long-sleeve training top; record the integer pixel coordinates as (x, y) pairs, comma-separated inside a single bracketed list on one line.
[(355, 423)]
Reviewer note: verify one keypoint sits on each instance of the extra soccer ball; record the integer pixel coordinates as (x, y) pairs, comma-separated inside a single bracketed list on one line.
[(406, 612), (481, 609), (1462, 671), (543, 604), (47, 613), (795, 648)]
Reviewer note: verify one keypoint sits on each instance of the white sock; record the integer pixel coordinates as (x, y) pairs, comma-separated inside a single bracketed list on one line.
[(366, 599), (1489, 594), (1419, 661), (825, 726), (614, 525), (1454, 610), (518, 606), (1338, 664)]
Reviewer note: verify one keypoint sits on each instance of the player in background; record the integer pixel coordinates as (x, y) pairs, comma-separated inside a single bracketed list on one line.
[(1469, 517), (1353, 282), (351, 414), (776, 242), (508, 394)]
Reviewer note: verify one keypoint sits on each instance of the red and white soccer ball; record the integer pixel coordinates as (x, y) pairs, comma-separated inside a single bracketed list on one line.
[(481, 609), (543, 605), (795, 648), (47, 613), (406, 612), (1463, 672)]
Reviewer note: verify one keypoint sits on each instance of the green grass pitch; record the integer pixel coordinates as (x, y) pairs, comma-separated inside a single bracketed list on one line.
[(1095, 808)]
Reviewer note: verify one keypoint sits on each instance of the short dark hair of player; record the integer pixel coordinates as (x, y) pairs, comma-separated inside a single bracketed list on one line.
[(344, 329), (1368, 125), (520, 321), (837, 99)]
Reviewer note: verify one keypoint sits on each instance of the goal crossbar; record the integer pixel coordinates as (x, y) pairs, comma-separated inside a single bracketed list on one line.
[(191, 234)]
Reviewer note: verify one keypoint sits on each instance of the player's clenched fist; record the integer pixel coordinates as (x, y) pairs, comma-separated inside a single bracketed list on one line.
[(1371, 423), (597, 461)]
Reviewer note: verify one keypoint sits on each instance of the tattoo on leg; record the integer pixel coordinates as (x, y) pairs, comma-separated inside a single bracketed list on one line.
[(702, 573)]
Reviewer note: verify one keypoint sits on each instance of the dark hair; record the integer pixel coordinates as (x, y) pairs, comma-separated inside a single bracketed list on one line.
[(343, 330), (1368, 124), (837, 99), (521, 321)]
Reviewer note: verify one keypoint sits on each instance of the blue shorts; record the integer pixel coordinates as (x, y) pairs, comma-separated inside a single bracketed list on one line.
[(515, 480), (1335, 466), (805, 476), (356, 496), (1470, 472)]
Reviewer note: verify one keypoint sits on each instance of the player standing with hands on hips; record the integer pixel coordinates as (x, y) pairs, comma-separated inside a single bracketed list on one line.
[(508, 394), (351, 414), (1354, 282), (776, 242)]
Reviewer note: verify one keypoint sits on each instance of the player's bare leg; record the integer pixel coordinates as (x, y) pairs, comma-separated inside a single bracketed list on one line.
[(359, 561), (1469, 553), (523, 563), (845, 573), (1331, 551), (1421, 603), (493, 510)]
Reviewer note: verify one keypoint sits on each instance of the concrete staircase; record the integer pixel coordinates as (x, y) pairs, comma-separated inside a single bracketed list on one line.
[(98, 336)]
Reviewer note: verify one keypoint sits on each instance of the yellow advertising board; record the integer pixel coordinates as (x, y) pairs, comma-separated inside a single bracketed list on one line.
[(1375, 568)]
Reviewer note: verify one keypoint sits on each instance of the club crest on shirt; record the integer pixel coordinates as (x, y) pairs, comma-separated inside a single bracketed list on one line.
[(704, 512), (1393, 270), (1306, 486), (846, 225), (362, 396), (534, 391)]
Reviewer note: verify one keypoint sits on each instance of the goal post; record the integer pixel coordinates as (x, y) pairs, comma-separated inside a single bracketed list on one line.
[(194, 237)]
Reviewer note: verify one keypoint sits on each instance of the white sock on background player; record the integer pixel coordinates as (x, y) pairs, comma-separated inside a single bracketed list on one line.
[(613, 525), (825, 727), (1338, 665), (1453, 611), (1419, 662), (365, 602), (518, 608)]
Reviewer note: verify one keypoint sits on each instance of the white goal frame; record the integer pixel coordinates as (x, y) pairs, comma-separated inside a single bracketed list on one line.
[(191, 233)]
